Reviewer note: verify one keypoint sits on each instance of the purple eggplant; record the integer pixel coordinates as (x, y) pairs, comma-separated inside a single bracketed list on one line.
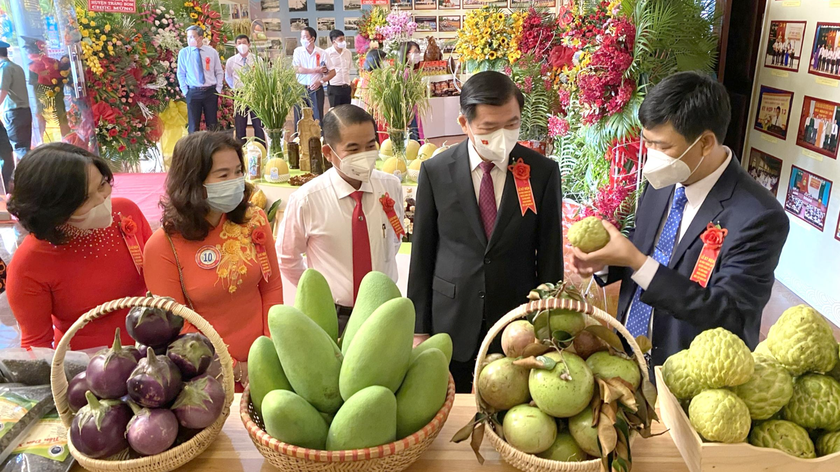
[(136, 352), (142, 349), (153, 326), (151, 432), (200, 402), (98, 429), (76, 392), (108, 370), (192, 353), (155, 382)]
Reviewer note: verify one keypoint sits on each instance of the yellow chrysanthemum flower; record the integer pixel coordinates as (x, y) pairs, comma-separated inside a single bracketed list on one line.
[(193, 16), (491, 55)]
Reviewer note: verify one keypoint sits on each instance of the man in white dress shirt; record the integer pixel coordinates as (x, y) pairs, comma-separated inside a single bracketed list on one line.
[(310, 63), (200, 77), (340, 60), (234, 65), (338, 219)]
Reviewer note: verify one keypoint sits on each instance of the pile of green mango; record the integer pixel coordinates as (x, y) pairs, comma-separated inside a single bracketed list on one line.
[(366, 389)]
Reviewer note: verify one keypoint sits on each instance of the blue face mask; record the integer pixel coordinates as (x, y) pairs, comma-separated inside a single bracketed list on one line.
[(225, 196)]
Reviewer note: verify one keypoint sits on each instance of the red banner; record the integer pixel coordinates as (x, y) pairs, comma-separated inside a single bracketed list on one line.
[(383, 3), (113, 6)]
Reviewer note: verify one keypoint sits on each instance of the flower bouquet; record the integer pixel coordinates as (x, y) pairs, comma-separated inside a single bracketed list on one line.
[(399, 28), (489, 39), (370, 21)]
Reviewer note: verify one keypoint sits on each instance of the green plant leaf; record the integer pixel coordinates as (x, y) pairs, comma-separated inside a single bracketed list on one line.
[(548, 363), (607, 335)]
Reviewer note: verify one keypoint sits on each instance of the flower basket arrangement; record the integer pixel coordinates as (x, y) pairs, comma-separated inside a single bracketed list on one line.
[(489, 39), (368, 36)]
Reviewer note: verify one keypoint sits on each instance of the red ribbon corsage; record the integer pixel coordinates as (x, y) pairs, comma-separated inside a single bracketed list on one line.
[(128, 228), (712, 241), (259, 238), (388, 204), (522, 178)]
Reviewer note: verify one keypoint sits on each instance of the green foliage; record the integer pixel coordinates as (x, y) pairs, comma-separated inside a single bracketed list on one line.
[(395, 92), (270, 90)]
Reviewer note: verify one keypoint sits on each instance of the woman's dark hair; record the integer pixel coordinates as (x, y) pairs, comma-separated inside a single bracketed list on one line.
[(402, 54), (488, 88), (373, 59), (691, 102), (185, 205), (50, 184)]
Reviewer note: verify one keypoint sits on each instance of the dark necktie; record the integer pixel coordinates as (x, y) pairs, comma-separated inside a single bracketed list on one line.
[(487, 199), (361, 244), (200, 66)]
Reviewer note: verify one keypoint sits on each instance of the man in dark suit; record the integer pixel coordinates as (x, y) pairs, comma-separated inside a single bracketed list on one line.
[(477, 252), (694, 181)]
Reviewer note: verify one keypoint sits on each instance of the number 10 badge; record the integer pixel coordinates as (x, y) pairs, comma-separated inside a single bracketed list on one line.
[(208, 257)]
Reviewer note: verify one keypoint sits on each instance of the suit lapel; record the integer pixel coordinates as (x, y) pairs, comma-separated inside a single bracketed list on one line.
[(710, 209), (459, 169), (507, 208)]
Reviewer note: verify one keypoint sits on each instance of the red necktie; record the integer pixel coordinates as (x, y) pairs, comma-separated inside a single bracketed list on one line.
[(487, 199), (361, 244)]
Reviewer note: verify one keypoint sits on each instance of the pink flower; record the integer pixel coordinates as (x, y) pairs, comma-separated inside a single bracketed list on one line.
[(557, 127)]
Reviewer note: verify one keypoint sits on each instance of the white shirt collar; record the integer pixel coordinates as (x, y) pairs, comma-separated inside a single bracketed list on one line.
[(697, 192), (476, 160), (342, 188)]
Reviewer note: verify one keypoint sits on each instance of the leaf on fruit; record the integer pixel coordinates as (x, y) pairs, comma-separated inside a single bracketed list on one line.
[(620, 465), (607, 435), (475, 443), (529, 363), (607, 335), (535, 349), (573, 293), (541, 326), (547, 362), (534, 296), (644, 344), (562, 338), (649, 392)]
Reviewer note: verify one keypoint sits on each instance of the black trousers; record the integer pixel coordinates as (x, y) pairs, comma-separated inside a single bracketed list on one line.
[(315, 100), (7, 157), (19, 127), (241, 124), (339, 95), (202, 101)]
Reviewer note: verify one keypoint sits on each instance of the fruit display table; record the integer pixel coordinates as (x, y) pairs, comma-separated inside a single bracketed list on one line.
[(233, 450)]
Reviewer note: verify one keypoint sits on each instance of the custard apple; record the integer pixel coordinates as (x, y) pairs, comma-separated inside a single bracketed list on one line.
[(785, 436), (763, 350), (835, 372), (815, 403), (718, 358), (720, 416), (828, 443), (677, 376), (588, 234), (802, 341), (768, 390)]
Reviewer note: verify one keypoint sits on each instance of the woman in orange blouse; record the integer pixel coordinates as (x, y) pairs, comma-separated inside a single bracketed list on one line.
[(215, 251)]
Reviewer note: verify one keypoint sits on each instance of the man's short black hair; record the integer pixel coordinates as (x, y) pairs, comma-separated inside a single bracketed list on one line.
[(691, 102), (335, 34), (488, 88), (311, 32), (4, 52), (341, 117), (243, 36), (197, 29)]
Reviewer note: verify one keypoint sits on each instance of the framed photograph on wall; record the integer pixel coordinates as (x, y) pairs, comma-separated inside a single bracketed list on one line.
[(298, 24), (323, 41), (351, 24), (807, 197), (476, 4), (449, 24), (819, 126), (784, 45), (324, 5), (400, 4), (352, 5), (825, 54), (291, 45), (765, 169), (837, 232), (535, 3), (273, 25), (351, 42), (773, 114), (297, 5), (326, 24), (426, 24), (449, 4), (425, 4)]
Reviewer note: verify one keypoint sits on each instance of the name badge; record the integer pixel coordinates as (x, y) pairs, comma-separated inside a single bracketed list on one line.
[(208, 257)]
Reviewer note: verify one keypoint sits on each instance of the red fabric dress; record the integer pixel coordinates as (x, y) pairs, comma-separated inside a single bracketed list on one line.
[(50, 287)]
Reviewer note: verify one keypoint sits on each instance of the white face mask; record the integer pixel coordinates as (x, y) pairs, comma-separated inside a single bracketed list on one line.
[(496, 146), (192, 41), (358, 166), (305, 42), (97, 218), (243, 48), (341, 44), (416, 58), (662, 170), (225, 196)]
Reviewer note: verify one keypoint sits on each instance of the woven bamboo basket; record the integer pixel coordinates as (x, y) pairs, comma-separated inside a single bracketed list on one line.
[(392, 457), (515, 457), (177, 456)]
